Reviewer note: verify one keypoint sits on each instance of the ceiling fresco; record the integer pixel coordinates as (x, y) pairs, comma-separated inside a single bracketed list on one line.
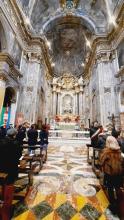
[(68, 48), (67, 24)]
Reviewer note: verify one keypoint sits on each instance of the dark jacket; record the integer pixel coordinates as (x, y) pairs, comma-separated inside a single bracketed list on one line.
[(101, 142), (32, 136), (120, 141), (43, 137), (21, 135), (10, 152), (94, 140)]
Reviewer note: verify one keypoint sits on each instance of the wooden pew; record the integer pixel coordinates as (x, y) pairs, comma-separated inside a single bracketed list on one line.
[(2, 183), (25, 168), (35, 160), (95, 161)]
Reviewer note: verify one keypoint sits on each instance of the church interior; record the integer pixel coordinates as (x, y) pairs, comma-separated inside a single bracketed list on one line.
[(61, 65)]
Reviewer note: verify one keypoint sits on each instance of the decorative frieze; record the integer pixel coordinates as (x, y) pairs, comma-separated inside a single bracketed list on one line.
[(8, 67), (29, 89), (107, 56), (10, 12)]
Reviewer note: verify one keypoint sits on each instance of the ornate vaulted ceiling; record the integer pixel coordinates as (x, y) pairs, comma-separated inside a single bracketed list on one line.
[(68, 25)]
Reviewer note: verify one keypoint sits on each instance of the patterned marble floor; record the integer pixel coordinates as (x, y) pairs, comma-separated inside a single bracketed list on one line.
[(65, 189)]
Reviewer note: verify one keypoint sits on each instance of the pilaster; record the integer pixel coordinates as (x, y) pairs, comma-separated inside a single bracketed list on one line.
[(29, 92)]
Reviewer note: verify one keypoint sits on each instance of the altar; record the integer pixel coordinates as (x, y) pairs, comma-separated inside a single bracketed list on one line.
[(66, 125), (67, 97)]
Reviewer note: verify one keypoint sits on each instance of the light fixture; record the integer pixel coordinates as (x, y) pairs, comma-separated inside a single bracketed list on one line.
[(41, 31), (67, 52), (112, 20), (48, 43), (82, 64), (52, 64), (88, 43), (27, 21)]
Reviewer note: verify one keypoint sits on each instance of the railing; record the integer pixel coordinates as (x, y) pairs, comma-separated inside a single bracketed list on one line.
[(68, 134)]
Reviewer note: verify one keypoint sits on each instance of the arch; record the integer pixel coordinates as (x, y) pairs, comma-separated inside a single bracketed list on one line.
[(3, 38), (79, 18)]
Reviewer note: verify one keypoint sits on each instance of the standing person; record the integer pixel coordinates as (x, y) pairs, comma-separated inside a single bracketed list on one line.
[(44, 142), (10, 152), (112, 166), (32, 137), (21, 134)]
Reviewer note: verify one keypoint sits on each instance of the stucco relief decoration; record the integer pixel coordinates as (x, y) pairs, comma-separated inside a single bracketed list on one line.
[(28, 93), (30, 89), (68, 81), (107, 90), (10, 12)]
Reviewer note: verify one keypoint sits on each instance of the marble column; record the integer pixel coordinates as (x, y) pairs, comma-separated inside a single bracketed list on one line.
[(59, 99), (76, 104), (29, 94), (59, 95), (54, 102), (100, 107), (106, 87), (120, 75), (2, 91), (81, 102)]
